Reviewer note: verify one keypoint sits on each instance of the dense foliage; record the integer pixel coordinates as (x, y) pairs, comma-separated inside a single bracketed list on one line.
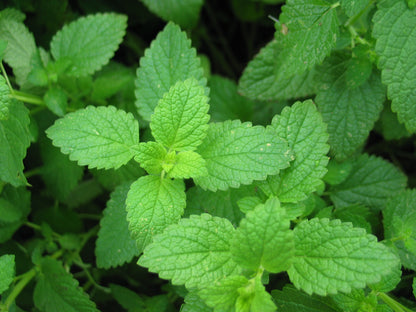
[(257, 155)]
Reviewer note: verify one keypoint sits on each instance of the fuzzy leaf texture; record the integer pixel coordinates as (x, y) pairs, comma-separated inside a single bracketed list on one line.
[(14, 141), (394, 25), (194, 252), (4, 99), (7, 271), (20, 44), (238, 153), (180, 118), (89, 42), (153, 203), (254, 297), (100, 137), (372, 180), (292, 300), (302, 127), (264, 239), (400, 225), (57, 290), (332, 256), (114, 250), (169, 59), (350, 113), (312, 33), (262, 78), (185, 13)]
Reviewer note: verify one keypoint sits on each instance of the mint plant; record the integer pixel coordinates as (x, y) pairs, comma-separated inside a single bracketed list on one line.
[(162, 185)]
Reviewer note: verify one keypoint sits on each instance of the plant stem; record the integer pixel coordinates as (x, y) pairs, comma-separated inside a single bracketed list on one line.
[(3, 70), (33, 172), (396, 306), (27, 98), (24, 280)]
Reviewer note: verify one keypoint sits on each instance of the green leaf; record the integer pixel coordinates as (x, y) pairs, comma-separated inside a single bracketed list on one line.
[(225, 101), (223, 294), (254, 297), (400, 224), (14, 140), (7, 271), (4, 99), (414, 287), (153, 203), (169, 59), (302, 127), (56, 100), (292, 300), (185, 13), (371, 182), (238, 153), (353, 301), (312, 33), (100, 137), (332, 256), (337, 171), (114, 250), (180, 118), (59, 185), (193, 303), (57, 290), (353, 7), (12, 14), (127, 298), (390, 127), (20, 46), (101, 35), (188, 164), (393, 28), (15, 207), (221, 203), (262, 78), (194, 252), (151, 155), (388, 282), (349, 120), (411, 4), (248, 203), (264, 239), (355, 214)]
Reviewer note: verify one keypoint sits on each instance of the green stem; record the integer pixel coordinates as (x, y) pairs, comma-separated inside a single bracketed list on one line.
[(33, 172), (6, 77), (24, 280), (396, 306), (27, 98)]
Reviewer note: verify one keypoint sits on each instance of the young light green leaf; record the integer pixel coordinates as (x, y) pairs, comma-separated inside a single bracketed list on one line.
[(332, 256), (57, 290), (302, 127), (16, 202), (56, 100), (221, 203), (169, 59), (194, 252), (349, 121), (353, 7), (180, 118), (393, 28), (312, 30), (254, 297), (101, 35), (60, 185), (225, 101), (153, 203), (371, 182), (20, 46), (187, 165), (237, 153), (4, 99), (264, 239), (7, 272), (262, 78), (114, 250), (14, 140), (400, 224), (292, 300), (185, 13), (223, 294), (151, 155), (100, 137), (248, 203)]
